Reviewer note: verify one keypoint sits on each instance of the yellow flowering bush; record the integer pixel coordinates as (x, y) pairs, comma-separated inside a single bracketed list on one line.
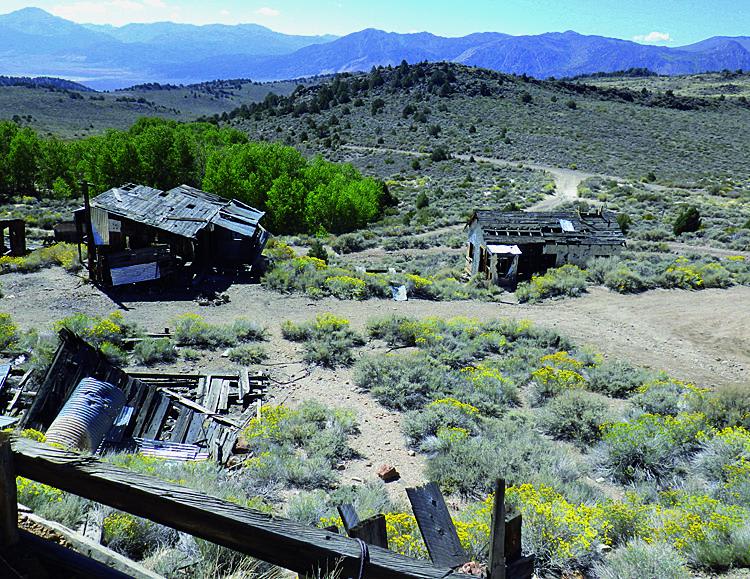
[(308, 261), (404, 536), (97, 330), (8, 332), (31, 493), (567, 280), (62, 254), (268, 424), (453, 403), (346, 287)]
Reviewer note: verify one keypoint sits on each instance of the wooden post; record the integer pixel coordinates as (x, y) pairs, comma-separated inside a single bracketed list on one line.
[(8, 496), (372, 531), (496, 567), (90, 246), (436, 526), (349, 517)]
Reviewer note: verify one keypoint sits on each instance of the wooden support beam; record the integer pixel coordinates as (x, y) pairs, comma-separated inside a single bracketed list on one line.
[(496, 565), (278, 541), (8, 496), (436, 525), (372, 531), (93, 550)]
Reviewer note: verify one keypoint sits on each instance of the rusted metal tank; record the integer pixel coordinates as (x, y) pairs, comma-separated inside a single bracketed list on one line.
[(87, 415)]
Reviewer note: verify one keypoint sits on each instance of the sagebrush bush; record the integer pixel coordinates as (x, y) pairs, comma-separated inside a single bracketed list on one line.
[(616, 378), (8, 332), (248, 355), (193, 330), (328, 340), (640, 559), (298, 447), (724, 461), (575, 416), (666, 395), (567, 280), (727, 405), (152, 351), (459, 418), (113, 329)]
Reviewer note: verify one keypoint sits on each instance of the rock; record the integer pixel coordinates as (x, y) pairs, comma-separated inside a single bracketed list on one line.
[(473, 568), (412, 453), (241, 446), (356, 479), (388, 473), (341, 466)]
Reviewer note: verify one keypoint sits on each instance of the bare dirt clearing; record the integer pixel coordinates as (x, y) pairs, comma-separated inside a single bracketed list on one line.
[(702, 337)]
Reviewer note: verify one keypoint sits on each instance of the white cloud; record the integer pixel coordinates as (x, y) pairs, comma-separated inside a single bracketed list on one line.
[(267, 11), (653, 37)]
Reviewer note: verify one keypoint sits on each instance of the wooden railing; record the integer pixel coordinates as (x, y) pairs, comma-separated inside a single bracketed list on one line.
[(278, 541)]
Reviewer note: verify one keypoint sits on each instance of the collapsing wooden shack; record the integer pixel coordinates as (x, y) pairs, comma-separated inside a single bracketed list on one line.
[(140, 234), (511, 246)]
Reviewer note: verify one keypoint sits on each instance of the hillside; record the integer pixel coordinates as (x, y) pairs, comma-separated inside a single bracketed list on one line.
[(609, 131), (64, 109), (34, 42)]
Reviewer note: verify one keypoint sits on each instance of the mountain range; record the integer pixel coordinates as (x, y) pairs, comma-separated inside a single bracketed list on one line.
[(36, 43)]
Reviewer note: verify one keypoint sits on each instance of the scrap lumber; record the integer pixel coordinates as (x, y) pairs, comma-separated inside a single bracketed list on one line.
[(277, 541), (8, 495)]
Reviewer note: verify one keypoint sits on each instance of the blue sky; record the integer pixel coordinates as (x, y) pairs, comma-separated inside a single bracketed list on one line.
[(668, 22)]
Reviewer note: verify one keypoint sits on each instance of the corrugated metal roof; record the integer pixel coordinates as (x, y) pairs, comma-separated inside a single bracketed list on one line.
[(183, 211), (520, 227)]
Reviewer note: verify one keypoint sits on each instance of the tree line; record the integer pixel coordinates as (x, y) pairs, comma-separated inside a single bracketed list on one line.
[(299, 195)]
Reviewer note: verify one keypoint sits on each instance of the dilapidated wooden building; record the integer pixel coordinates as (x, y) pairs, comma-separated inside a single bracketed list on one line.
[(141, 234), (511, 246)]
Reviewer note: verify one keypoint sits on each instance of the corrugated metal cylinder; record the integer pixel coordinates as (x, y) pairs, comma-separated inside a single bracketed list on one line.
[(87, 416)]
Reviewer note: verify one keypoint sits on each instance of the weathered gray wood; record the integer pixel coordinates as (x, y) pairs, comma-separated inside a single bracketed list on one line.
[(8, 495), (93, 550), (372, 531), (198, 407), (243, 384), (4, 373), (144, 411), (157, 421), (349, 516), (278, 541), (222, 405), (436, 526), (195, 433), (180, 427), (496, 565)]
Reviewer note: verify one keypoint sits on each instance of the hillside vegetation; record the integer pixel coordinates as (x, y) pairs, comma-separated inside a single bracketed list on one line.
[(458, 109)]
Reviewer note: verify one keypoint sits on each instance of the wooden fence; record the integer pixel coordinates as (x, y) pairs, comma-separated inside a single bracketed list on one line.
[(285, 543)]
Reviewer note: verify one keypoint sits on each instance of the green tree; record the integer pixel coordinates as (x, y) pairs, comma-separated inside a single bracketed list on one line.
[(23, 158), (688, 220)]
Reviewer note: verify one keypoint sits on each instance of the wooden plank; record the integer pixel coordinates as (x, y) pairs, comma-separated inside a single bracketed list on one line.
[(349, 516), (523, 568), (198, 407), (281, 542), (93, 550), (244, 384), (222, 405), (145, 410), (436, 526), (8, 495), (206, 390), (180, 427), (195, 434), (372, 531), (157, 422), (496, 565), (4, 373)]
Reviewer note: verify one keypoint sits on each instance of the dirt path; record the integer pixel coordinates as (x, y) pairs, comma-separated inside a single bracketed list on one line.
[(706, 250), (566, 180)]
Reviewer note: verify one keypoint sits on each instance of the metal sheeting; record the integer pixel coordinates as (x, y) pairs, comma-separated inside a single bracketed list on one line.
[(567, 225), (183, 211), (87, 416), (504, 249), (135, 273), (100, 225)]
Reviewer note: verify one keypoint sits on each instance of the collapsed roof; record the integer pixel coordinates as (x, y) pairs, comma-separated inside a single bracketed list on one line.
[(183, 211), (562, 227)]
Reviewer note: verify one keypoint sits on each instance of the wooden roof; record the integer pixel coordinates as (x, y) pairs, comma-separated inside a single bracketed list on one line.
[(564, 227), (182, 211)]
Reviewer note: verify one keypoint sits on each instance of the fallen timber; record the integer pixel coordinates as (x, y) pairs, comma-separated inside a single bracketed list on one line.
[(278, 541)]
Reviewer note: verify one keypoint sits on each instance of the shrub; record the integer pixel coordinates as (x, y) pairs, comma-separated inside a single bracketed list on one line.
[(667, 396), (459, 418), (8, 332), (151, 351), (725, 462), (727, 405), (328, 340), (507, 448), (650, 446), (422, 200), (624, 280), (617, 379), (563, 536), (687, 221), (97, 330), (62, 254), (248, 355), (559, 373), (114, 353), (135, 537), (639, 559), (51, 503), (568, 280), (440, 153), (193, 330), (298, 447), (318, 251), (346, 287), (575, 416)]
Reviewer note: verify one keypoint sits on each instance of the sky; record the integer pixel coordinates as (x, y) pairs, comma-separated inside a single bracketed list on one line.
[(665, 22)]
